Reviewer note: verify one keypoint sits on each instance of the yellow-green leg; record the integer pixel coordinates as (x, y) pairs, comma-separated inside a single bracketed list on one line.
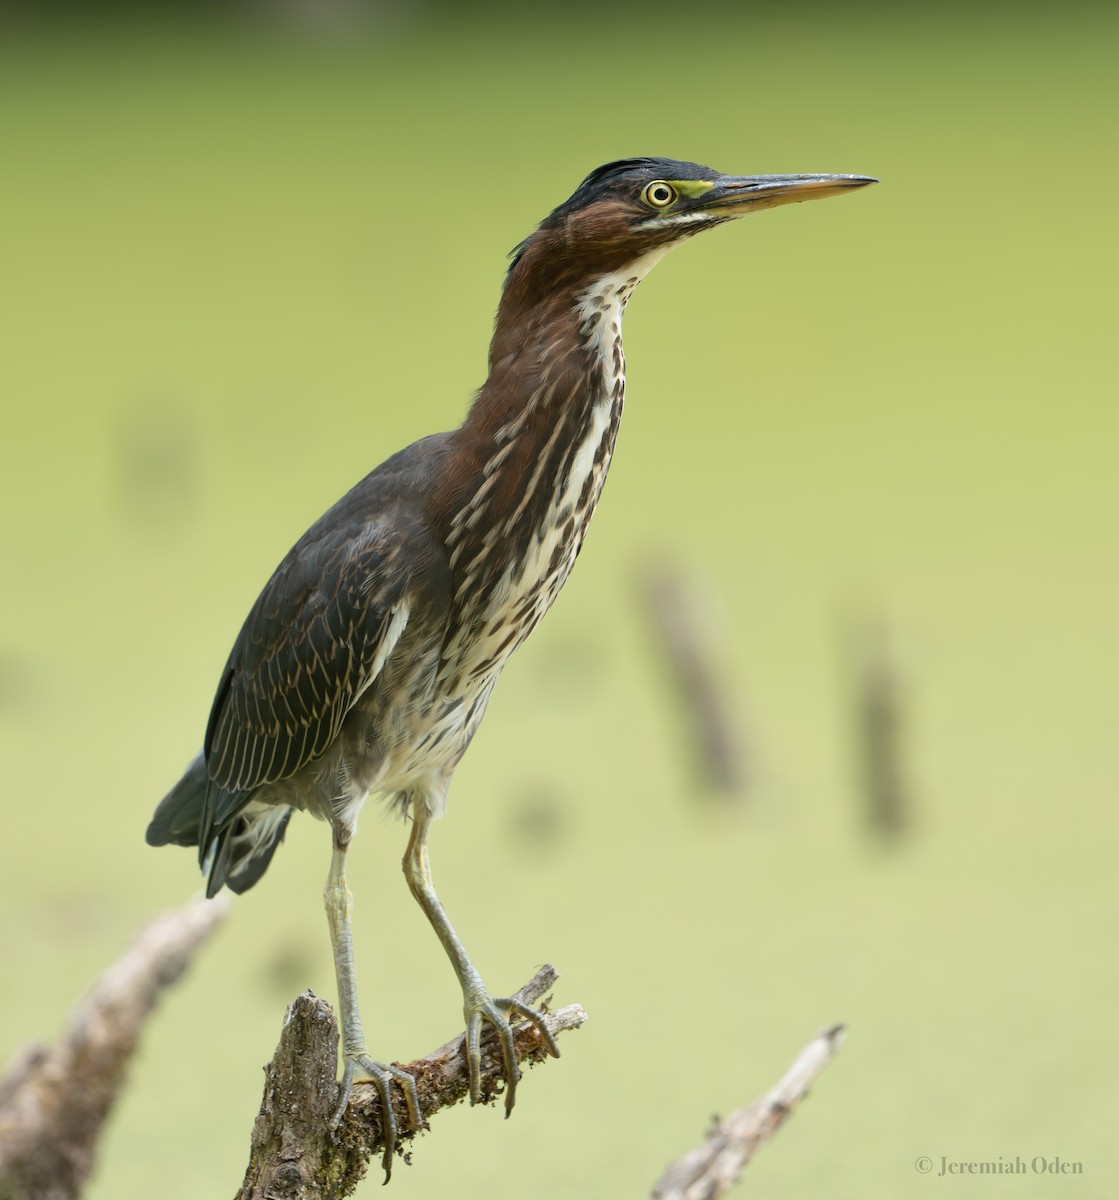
[(478, 1005), (339, 905)]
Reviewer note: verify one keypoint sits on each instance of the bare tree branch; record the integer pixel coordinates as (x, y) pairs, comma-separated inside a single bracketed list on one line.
[(294, 1155), (712, 1169), (53, 1101)]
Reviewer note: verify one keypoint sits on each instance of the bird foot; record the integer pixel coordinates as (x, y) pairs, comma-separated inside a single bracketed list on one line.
[(497, 1012), (381, 1077)]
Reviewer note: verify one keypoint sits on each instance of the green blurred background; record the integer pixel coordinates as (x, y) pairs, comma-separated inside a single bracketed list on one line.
[(242, 263)]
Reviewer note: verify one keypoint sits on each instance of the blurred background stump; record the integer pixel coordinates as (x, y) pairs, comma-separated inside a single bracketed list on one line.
[(54, 1100), (689, 647)]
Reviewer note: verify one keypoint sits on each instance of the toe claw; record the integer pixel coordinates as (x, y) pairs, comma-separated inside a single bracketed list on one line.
[(411, 1097), (381, 1077), (509, 1058), (345, 1086), (474, 1054), (496, 1013), (535, 1019)]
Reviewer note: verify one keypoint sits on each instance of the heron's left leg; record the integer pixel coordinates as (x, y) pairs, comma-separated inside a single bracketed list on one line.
[(478, 1004)]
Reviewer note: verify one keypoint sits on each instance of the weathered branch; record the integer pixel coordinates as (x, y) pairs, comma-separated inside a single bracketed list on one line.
[(712, 1169), (54, 1100), (294, 1155)]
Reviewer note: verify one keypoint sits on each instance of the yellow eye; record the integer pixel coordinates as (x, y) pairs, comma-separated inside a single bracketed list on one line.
[(659, 194)]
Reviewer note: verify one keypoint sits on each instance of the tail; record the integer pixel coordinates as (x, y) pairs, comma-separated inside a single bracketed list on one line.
[(238, 849), (177, 819)]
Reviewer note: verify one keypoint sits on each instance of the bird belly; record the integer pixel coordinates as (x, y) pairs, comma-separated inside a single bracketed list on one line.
[(399, 738)]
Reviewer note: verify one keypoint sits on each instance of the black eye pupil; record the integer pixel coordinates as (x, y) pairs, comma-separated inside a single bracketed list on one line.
[(661, 194)]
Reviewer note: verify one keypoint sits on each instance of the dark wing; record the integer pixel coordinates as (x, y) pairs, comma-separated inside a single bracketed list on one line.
[(313, 643)]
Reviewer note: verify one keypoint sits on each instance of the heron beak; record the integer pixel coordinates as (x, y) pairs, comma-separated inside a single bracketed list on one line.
[(735, 196)]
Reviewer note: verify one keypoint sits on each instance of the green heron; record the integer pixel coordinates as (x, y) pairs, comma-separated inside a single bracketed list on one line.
[(367, 662)]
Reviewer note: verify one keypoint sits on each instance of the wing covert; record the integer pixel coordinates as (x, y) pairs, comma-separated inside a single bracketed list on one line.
[(314, 641)]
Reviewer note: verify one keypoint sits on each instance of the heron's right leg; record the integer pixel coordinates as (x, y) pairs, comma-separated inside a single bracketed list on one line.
[(478, 1004), (339, 905)]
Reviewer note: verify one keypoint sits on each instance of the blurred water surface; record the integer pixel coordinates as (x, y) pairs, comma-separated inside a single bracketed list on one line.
[(239, 271)]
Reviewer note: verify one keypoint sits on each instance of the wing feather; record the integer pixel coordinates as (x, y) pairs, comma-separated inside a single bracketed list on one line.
[(311, 645), (321, 631)]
